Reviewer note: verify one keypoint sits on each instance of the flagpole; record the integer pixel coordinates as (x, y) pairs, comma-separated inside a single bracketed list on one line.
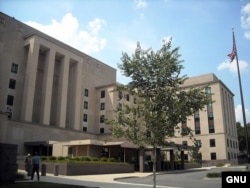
[(242, 101)]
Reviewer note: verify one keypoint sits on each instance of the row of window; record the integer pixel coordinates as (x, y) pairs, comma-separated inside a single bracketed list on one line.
[(84, 129), (12, 84), (213, 143)]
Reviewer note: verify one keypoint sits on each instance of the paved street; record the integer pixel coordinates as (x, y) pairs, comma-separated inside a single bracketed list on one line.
[(194, 178)]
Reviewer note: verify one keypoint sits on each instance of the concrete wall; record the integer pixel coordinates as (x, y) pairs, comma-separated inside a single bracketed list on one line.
[(70, 169), (8, 164), (17, 132)]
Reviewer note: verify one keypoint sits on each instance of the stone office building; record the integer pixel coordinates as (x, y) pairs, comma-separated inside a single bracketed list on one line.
[(56, 99)]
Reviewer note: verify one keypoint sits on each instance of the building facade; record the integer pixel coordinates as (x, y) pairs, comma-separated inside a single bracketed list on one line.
[(214, 127), (57, 98)]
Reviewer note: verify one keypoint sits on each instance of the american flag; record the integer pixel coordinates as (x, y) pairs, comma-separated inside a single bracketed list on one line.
[(233, 53)]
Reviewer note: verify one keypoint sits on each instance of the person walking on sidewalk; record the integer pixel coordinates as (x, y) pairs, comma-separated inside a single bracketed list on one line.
[(36, 164)]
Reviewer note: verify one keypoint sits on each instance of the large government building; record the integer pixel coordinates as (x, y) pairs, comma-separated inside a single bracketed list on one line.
[(54, 99)]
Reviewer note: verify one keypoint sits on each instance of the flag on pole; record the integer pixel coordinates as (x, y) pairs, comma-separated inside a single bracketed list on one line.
[(233, 53)]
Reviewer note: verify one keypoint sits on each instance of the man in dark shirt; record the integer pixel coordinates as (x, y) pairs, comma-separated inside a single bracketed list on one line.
[(36, 164)]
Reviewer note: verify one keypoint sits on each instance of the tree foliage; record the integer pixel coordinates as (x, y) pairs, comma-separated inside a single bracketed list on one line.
[(161, 100), (242, 137)]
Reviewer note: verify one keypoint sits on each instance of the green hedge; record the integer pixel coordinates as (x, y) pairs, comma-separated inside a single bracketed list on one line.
[(78, 159)]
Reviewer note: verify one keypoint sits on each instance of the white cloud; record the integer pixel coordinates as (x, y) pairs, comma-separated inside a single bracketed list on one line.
[(68, 31), (232, 67), (140, 4), (245, 20), (239, 116)]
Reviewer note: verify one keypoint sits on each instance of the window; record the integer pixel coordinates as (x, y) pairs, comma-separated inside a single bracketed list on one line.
[(101, 130), (102, 119), (119, 107), (10, 100), (127, 97), (86, 92), (12, 84), (198, 143), (14, 68), (85, 105), (212, 142), (120, 94), (208, 90), (84, 129), (85, 117), (184, 129), (197, 123), (102, 107), (213, 156), (103, 94), (184, 143)]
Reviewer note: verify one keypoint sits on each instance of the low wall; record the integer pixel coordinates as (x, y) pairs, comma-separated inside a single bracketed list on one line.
[(8, 165), (70, 169)]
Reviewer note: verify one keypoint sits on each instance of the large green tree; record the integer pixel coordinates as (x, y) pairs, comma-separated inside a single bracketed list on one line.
[(242, 137), (161, 100)]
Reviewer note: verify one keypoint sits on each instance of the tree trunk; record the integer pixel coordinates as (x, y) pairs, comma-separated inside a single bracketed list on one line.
[(154, 166)]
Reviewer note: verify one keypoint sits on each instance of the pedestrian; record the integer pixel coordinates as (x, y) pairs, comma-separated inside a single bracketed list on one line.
[(27, 162), (36, 164)]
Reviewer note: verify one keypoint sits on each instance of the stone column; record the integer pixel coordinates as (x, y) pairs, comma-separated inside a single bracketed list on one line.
[(47, 87), (76, 107), (171, 159), (141, 160), (30, 79), (182, 160), (62, 92)]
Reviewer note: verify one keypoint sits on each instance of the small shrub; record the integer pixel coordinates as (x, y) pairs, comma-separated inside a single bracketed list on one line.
[(103, 159), (214, 174), (111, 160), (60, 158), (44, 158), (52, 158), (20, 176), (85, 158), (95, 159), (220, 164)]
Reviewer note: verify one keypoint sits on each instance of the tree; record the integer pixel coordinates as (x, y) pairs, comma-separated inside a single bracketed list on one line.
[(242, 136), (161, 101)]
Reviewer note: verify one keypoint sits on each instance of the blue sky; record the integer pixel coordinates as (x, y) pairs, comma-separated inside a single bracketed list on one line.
[(106, 28)]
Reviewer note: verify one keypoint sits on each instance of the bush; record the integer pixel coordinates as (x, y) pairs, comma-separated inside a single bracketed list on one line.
[(220, 164), (52, 158), (103, 159), (214, 174), (20, 176), (85, 158), (111, 160), (95, 159), (44, 158), (60, 158)]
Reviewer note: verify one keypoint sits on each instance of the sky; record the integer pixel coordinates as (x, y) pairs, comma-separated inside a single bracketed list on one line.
[(104, 29)]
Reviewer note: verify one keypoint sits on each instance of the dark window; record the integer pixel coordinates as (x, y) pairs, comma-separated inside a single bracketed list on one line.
[(84, 129), (102, 119), (86, 92), (102, 107), (10, 100), (213, 156), (127, 97), (14, 67), (103, 94), (85, 105), (120, 94), (119, 107), (184, 143), (85, 117), (12, 84), (228, 155), (101, 130), (197, 123), (212, 142), (184, 128)]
